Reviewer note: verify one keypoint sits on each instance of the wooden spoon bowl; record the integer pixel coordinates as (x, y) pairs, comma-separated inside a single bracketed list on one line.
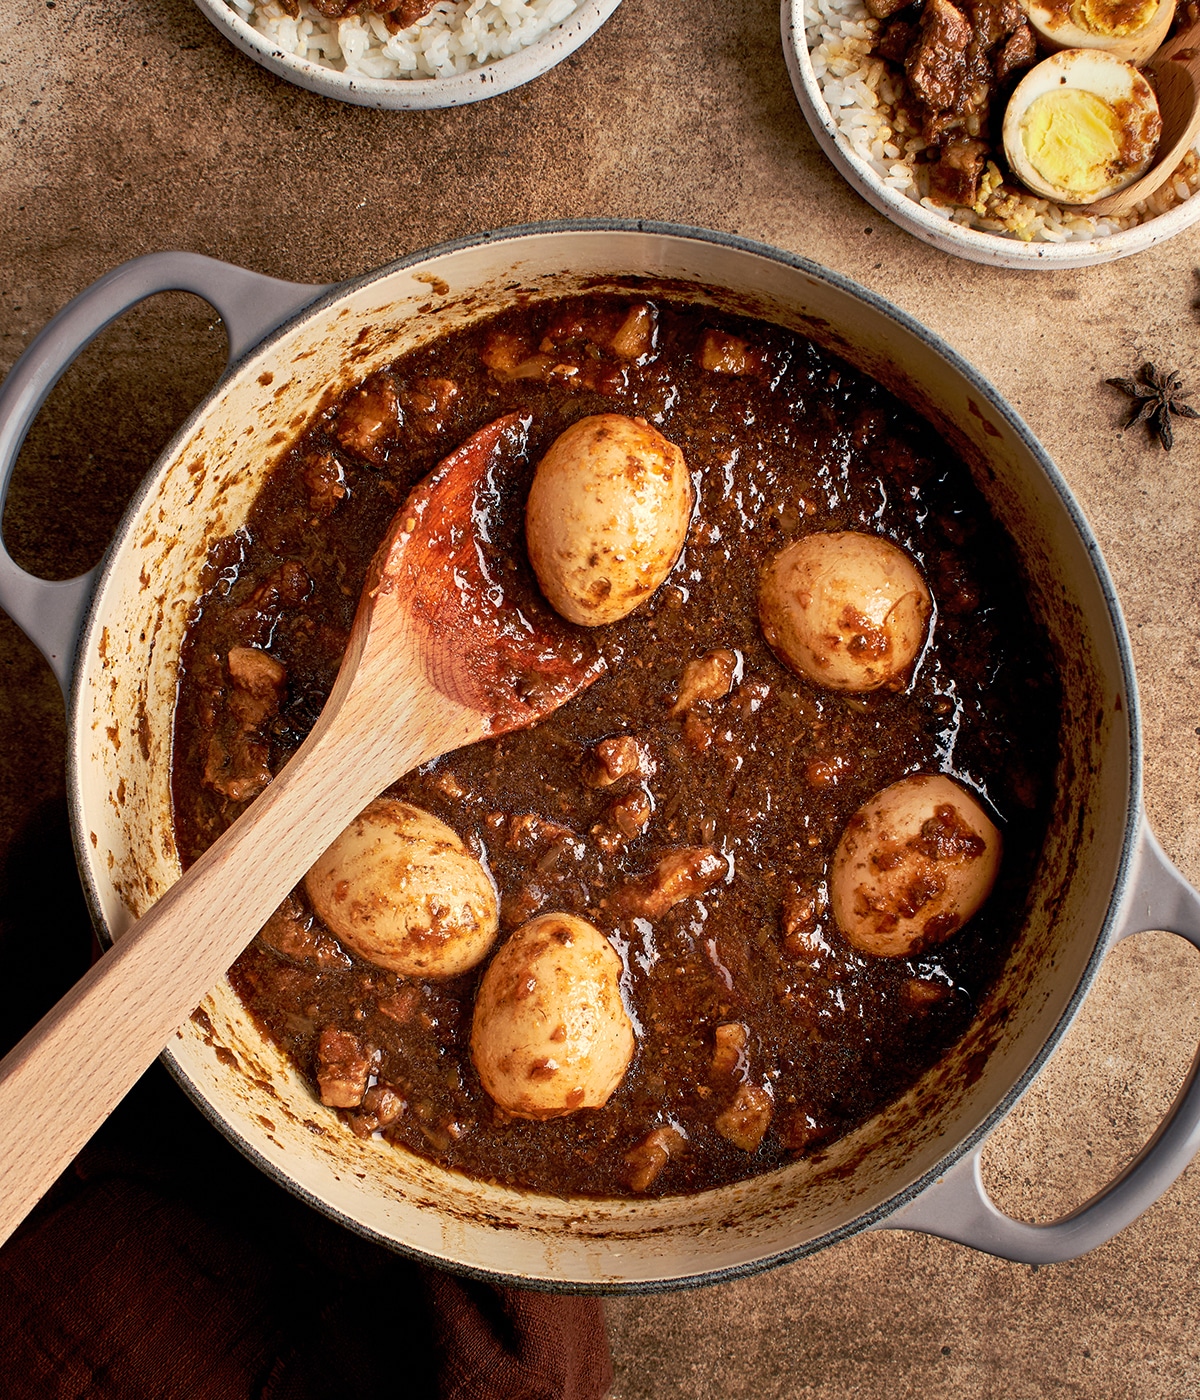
[(1174, 72), (437, 658)]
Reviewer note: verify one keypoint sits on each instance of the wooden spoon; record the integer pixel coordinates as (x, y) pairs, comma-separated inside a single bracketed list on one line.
[(437, 658), (1175, 72)]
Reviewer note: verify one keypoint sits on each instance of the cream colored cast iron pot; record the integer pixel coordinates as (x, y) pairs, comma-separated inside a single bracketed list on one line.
[(113, 639)]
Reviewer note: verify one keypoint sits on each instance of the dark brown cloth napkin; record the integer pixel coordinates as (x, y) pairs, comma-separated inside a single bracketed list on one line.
[(163, 1266)]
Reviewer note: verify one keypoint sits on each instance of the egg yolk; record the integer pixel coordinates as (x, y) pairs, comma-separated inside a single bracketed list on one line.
[(1115, 18), (1072, 139)]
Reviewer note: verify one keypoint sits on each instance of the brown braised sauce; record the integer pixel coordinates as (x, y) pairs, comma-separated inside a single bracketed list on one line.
[(738, 801)]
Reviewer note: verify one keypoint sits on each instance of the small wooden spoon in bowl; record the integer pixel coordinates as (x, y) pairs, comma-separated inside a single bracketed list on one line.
[(437, 658), (1175, 73)]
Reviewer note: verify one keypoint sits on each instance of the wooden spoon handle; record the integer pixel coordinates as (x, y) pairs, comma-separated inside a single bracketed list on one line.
[(64, 1078)]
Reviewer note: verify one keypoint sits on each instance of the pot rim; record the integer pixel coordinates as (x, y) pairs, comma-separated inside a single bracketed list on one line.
[(1131, 818)]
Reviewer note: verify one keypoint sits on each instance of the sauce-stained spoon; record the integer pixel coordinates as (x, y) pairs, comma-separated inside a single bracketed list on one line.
[(437, 658), (1175, 73)]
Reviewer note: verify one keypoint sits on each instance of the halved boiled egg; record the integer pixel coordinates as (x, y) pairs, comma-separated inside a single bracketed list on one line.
[(1081, 125), (1127, 29)]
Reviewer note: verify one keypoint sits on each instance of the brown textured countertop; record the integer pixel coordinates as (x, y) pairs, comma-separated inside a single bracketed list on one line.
[(132, 128)]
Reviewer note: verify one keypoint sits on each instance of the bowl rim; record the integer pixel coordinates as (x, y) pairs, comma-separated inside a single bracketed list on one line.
[(1131, 817), (415, 94), (976, 245)]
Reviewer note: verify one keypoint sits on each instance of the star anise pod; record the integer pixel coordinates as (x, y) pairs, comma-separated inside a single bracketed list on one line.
[(1156, 396)]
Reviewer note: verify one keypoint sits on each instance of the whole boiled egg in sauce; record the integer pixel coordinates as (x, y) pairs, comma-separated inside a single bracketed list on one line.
[(1126, 29), (914, 863), (550, 1033), (606, 518), (1080, 126), (399, 888), (850, 611)]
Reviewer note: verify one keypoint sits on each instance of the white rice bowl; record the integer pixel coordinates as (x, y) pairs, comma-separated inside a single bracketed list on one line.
[(853, 102), (454, 37), (462, 51)]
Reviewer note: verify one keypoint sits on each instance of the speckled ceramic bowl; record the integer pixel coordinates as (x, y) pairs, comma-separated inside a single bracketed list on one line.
[(399, 94), (976, 245), (114, 636)]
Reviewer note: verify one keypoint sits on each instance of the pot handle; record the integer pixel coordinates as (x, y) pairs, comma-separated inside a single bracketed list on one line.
[(51, 612), (957, 1207)]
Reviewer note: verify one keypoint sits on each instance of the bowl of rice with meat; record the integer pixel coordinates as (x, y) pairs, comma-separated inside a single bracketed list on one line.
[(942, 175), (399, 54)]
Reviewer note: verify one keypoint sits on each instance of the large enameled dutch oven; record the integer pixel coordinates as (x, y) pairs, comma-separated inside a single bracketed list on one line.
[(113, 638)]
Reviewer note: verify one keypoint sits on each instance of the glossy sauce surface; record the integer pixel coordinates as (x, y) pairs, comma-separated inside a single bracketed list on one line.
[(741, 990)]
